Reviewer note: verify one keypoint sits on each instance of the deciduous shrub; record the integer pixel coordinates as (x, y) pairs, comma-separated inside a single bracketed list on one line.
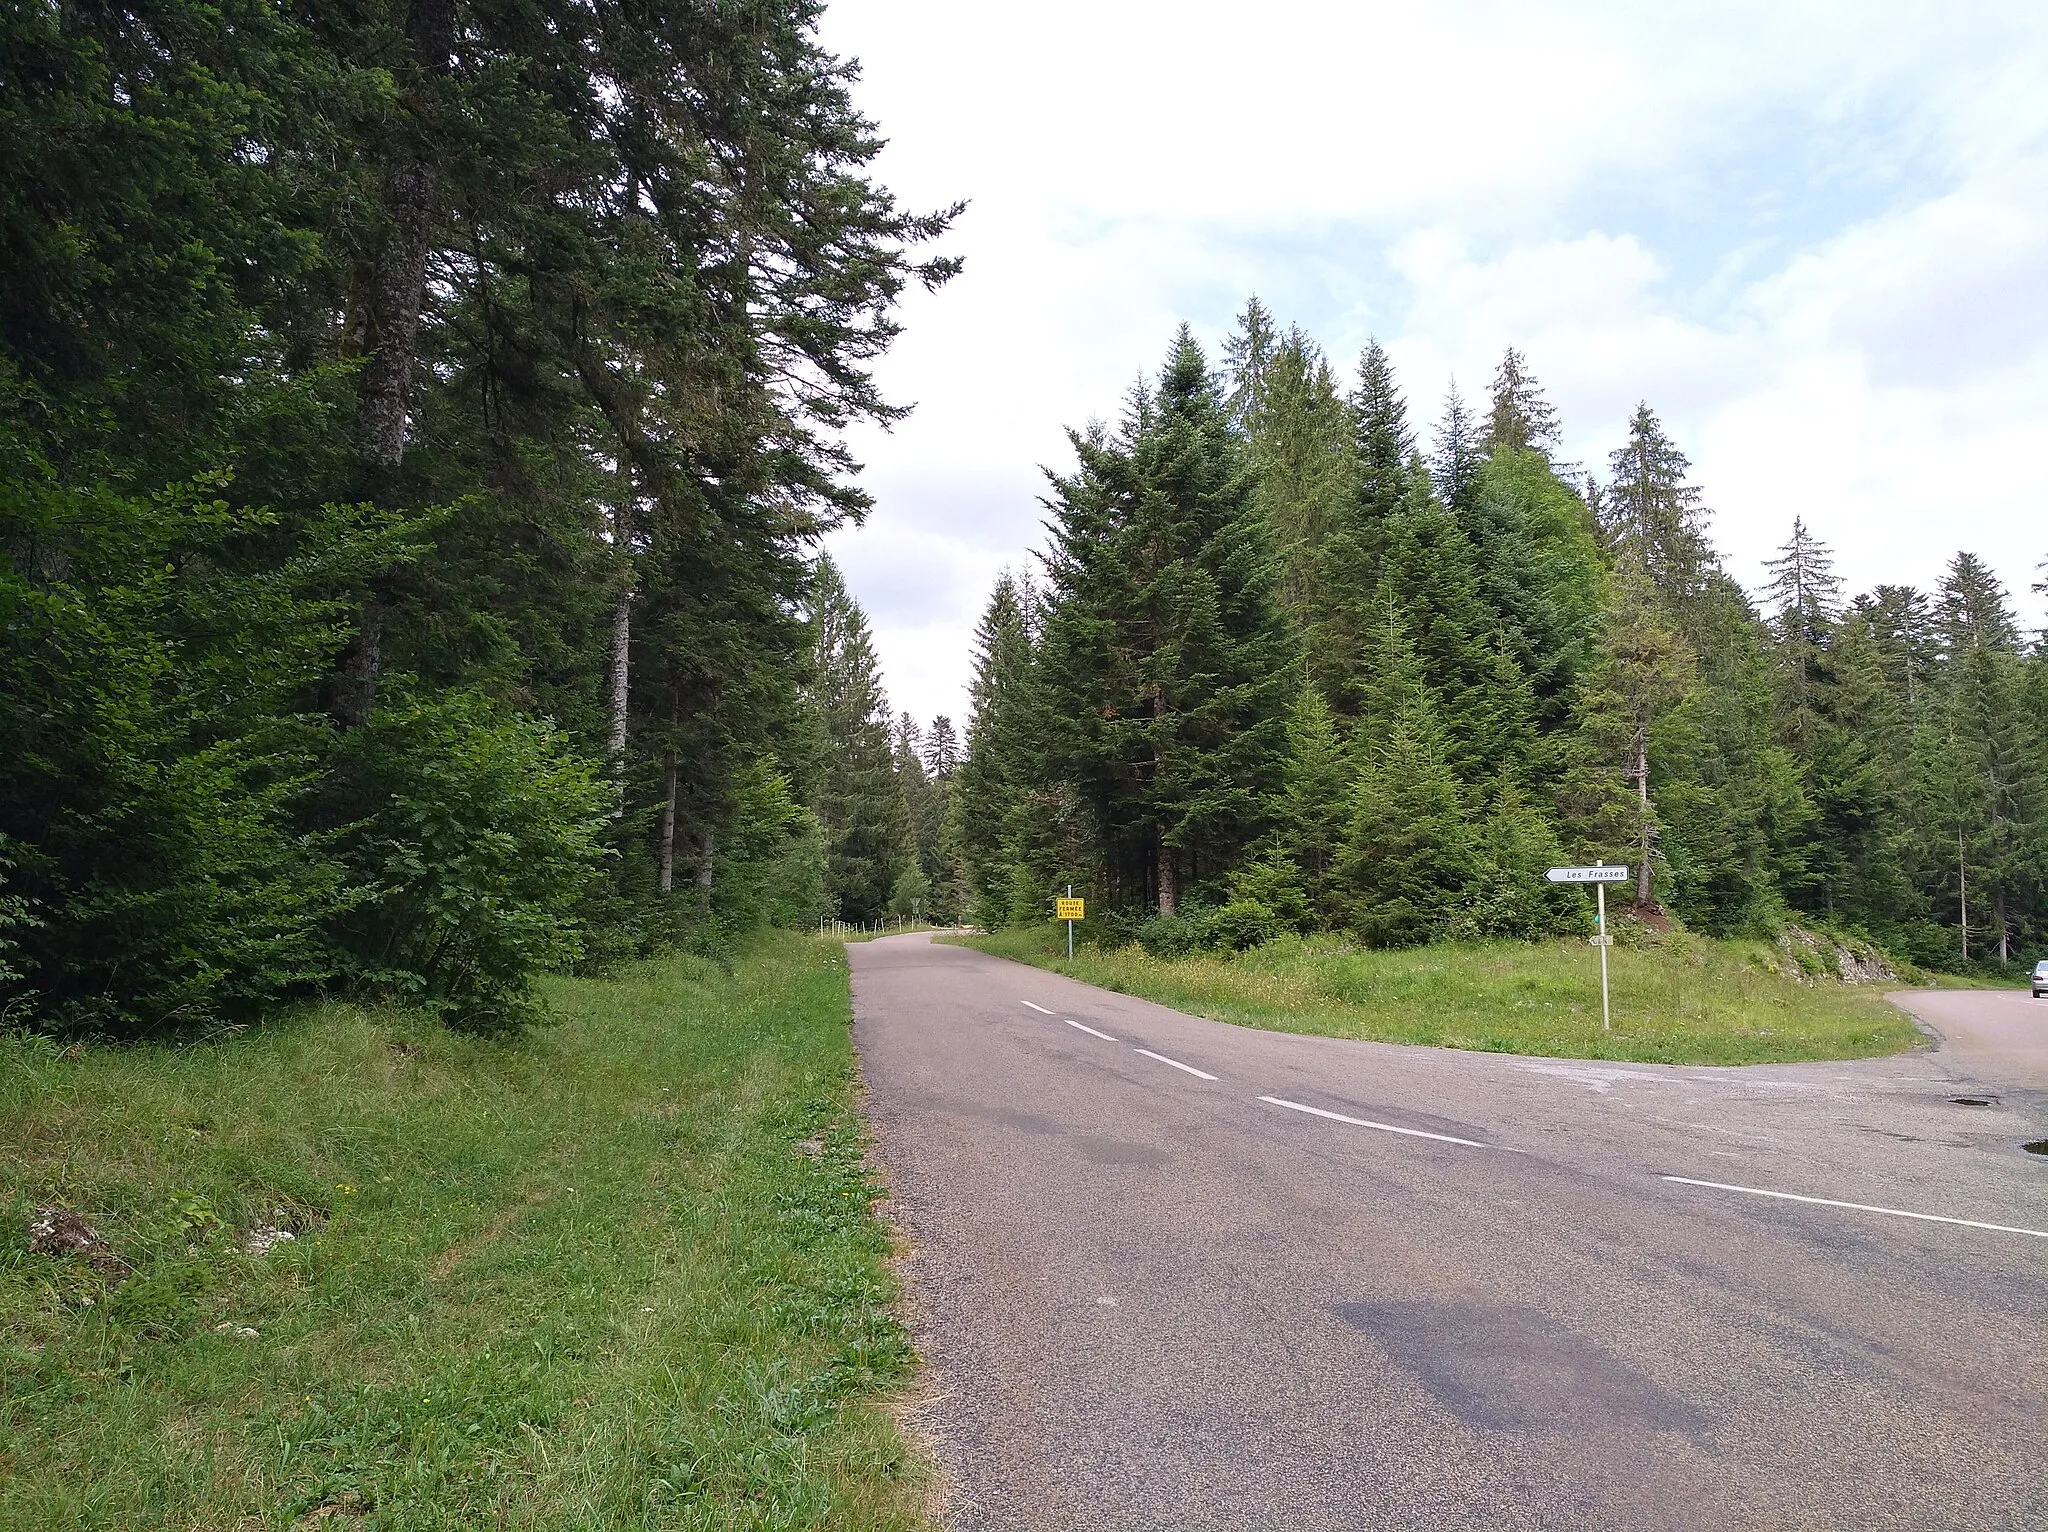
[(470, 835)]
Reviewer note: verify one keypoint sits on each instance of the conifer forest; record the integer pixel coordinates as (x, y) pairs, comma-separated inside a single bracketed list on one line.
[(418, 427), (1288, 666)]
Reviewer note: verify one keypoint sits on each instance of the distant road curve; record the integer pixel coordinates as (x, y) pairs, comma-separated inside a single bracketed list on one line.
[(1999, 1036)]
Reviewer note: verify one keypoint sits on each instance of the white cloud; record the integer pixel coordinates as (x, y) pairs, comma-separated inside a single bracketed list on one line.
[(1813, 237)]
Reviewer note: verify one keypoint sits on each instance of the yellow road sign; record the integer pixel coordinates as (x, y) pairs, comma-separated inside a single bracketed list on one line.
[(1070, 909)]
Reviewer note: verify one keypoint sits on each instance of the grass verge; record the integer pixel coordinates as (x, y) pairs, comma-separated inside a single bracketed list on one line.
[(621, 1272), (1683, 1000)]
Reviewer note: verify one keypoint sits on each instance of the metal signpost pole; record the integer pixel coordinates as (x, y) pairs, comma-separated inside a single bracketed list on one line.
[(1600, 889), (1070, 928), (1599, 875)]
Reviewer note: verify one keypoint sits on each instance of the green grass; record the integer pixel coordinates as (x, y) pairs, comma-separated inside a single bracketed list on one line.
[(1683, 1000), (621, 1272)]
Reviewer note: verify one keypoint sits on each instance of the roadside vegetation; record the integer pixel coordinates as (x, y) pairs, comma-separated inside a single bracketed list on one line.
[(621, 1271), (1678, 998)]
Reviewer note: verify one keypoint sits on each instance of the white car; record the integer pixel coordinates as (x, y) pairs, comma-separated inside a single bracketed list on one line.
[(2041, 978)]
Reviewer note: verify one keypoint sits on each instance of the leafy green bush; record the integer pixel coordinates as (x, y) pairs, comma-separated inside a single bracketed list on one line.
[(1174, 935), (773, 864), (470, 834), (1241, 925), (152, 758)]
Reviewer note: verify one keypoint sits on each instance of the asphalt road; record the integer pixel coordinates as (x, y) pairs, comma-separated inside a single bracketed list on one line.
[(1998, 1035), (1152, 1297)]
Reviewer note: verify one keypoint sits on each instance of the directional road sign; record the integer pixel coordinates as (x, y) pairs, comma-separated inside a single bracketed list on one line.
[(1618, 874)]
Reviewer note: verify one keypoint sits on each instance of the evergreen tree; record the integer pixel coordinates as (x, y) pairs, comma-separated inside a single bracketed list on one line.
[(1652, 515), (1540, 571), (1521, 419), (1300, 447), (1642, 672), (941, 750), (990, 786), (1971, 611), (1995, 766), (1408, 859), (1804, 598), (925, 804), (578, 310), (860, 798), (1430, 579), (1510, 849), (1386, 443), (1456, 458), (1314, 804), (1856, 756), (1165, 658), (1900, 622), (1248, 358)]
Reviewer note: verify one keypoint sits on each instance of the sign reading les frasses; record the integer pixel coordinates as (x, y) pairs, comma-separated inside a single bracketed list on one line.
[(1616, 874), (1070, 909)]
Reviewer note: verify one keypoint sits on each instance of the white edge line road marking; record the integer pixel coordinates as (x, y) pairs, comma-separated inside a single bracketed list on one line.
[(1089, 1030), (1039, 1008), (1384, 1127), (1860, 1207), (1200, 1074)]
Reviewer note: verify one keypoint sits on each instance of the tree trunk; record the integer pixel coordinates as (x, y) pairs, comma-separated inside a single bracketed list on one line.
[(397, 288), (354, 690), (707, 854), (1643, 837), (1963, 892), (667, 850), (622, 644), (1169, 888)]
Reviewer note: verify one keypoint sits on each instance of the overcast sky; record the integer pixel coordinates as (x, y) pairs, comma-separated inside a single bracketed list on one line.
[(1814, 237)]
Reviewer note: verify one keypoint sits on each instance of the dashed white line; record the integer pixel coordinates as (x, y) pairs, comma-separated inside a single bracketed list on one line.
[(1038, 1008), (1089, 1030), (1363, 1122), (1860, 1207), (1199, 1074)]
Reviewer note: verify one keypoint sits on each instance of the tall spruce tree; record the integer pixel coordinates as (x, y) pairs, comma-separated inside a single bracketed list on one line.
[(1456, 456), (1386, 442), (1653, 515), (1165, 660), (1248, 357), (1521, 419), (1643, 671), (860, 799), (1002, 760), (1900, 620), (1430, 577), (1299, 444), (1804, 599)]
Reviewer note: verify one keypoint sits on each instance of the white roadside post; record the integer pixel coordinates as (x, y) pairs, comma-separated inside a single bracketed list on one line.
[(1599, 875), (1600, 928)]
